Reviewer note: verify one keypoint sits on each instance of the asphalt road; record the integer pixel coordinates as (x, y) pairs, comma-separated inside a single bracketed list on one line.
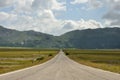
[(60, 68)]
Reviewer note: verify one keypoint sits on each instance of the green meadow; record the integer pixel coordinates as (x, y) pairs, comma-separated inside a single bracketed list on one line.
[(17, 58), (103, 59)]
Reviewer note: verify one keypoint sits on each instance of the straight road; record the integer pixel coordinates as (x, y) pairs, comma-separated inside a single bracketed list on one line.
[(60, 68)]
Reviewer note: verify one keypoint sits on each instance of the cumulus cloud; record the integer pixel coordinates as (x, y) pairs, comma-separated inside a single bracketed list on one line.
[(38, 15), (82, 24), (70, 25), (48, 4), (4, 3), (44, 22), (31, 14), (3, 16), (7, 18), (23, 6), (94, 4), (91, 4), (79, 1), (47, 14), (90, 24), (47, 23), (112, 17)]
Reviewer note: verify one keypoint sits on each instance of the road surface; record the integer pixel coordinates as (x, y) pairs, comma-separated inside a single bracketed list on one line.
[(60, 68)]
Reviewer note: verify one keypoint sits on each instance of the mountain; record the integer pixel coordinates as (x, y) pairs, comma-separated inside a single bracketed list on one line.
[(108, 38), (9, 37), (102, 38)]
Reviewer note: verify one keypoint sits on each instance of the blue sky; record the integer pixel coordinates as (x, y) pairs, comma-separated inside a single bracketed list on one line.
[(59, 16), (75, 12)]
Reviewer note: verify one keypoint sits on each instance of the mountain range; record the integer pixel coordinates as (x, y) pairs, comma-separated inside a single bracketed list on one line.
[(101, 38)]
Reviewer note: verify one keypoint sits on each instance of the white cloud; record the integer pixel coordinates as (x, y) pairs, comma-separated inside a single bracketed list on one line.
[(91, 4), (48, 4), (31, 15), (92, 24), (38, 15), (79, 1), (70, 25), (23, 6), (94, 4), (82, 24), (112, 17), (3, 16), (44, 22), (47, 14), (4, 3), (47, 23)]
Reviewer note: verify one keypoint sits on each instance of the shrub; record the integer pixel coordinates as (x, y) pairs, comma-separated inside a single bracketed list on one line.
[(67, 53), (40, 58), (50, 55)]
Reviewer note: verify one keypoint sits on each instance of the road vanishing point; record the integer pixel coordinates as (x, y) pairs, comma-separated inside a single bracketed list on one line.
[(60, 68)]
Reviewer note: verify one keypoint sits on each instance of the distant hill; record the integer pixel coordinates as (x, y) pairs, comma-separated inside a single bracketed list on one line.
[(9, 37), (93, 38), (106, 38)]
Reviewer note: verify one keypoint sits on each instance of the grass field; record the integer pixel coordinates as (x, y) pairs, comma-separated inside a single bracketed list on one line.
[(103, 59), (14, 59)]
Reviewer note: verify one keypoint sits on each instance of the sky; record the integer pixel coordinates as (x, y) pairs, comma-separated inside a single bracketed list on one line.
[(57, 17)]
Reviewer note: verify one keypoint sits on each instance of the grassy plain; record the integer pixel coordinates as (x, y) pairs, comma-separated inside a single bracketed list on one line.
[(17, 58), (103, 59)]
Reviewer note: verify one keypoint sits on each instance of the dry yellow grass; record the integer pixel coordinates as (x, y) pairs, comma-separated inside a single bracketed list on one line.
[(103, 59), (14, 59)]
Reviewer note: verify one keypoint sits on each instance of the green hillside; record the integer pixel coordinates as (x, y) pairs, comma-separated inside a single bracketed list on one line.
[(106, 38)]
